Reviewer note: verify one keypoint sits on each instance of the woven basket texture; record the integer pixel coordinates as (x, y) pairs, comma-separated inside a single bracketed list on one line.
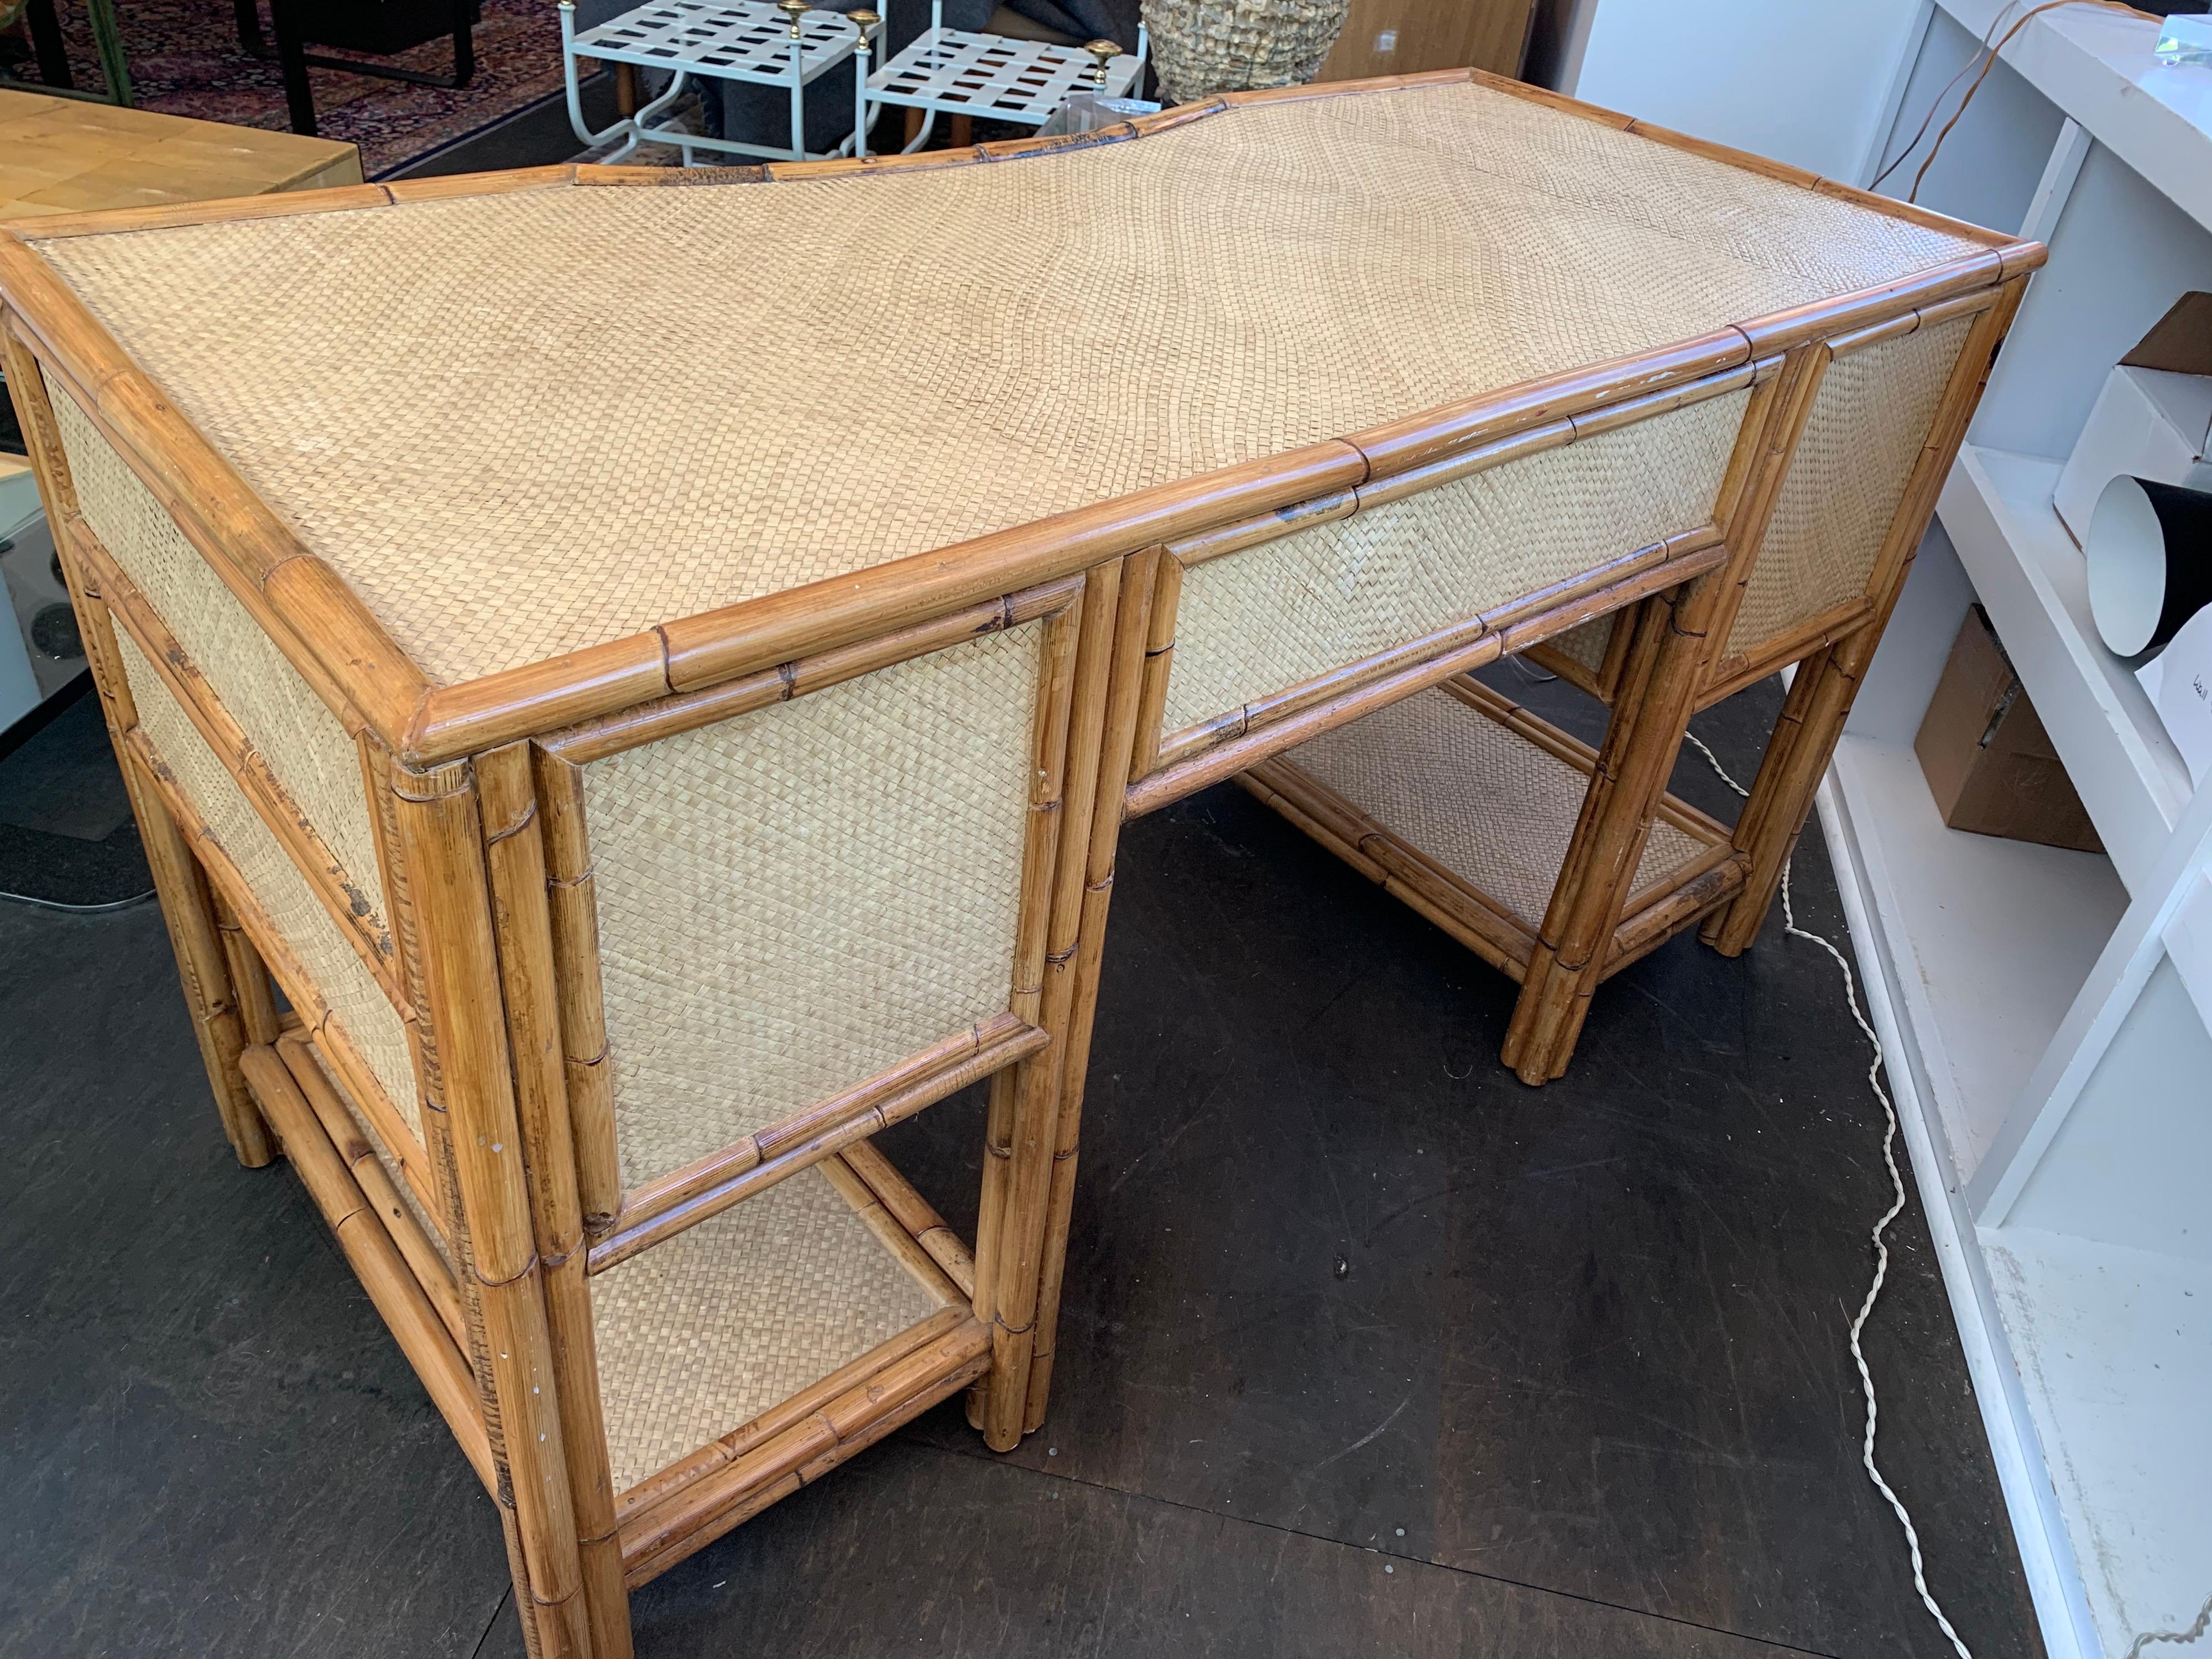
[(1204, 46), (342, 984), (793, 900), (1870, 417), (292, 728), (1588, 644), (1474, 796), (700, 1334), (818, 377), (422, 1216), (1258, 621)]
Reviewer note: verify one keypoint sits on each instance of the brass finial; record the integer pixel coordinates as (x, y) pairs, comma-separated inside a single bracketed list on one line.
[(1105, 51), (795, 10), (863, 20)]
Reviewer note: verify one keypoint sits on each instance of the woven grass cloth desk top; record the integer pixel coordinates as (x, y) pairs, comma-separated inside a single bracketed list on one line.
[(520, 424)]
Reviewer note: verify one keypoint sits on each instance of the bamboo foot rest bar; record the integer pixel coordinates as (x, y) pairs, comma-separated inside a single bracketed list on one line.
[(1463, 804), (637, 815)]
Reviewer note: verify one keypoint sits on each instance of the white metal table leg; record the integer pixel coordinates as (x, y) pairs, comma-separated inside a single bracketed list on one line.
[(860, 21)]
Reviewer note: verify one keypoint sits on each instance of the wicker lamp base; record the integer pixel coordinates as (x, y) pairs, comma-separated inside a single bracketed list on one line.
[(1200, 48), (1463, 804)]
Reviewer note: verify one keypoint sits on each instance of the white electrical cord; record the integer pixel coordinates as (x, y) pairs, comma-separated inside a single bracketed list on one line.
[(2180, 1637), (1881, 1243)]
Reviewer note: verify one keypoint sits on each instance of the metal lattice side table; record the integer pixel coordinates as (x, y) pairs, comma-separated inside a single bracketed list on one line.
[(785, 44), (959, 72)]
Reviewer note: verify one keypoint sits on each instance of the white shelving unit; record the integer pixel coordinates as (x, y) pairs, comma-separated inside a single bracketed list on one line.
[(2045, 1012)]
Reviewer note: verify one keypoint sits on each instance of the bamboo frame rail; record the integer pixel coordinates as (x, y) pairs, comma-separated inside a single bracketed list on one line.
[(499, 897), (379, 1258), (295, 1049)]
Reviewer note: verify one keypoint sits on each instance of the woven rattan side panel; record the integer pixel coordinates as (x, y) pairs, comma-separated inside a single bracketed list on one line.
[(295, 732), (1869, 419), (1255, 622), (1484, 802), (344, 985), (702, 1333), (794, 899)]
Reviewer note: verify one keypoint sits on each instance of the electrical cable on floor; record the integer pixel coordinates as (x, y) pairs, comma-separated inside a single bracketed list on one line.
[(1881, 1227), (80, 910)]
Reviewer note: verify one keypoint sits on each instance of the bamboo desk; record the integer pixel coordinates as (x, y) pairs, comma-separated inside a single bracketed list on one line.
[(637, 817)]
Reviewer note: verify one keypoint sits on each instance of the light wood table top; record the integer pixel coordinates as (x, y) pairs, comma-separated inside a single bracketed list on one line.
[(66, 156)]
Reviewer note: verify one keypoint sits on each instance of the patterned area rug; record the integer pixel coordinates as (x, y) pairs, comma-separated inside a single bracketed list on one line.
[(186, 60)]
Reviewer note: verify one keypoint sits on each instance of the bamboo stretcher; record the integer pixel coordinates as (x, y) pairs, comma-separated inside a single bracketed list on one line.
[(637, 818)]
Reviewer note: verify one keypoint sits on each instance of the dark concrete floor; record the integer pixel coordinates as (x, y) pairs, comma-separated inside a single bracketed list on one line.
[(66, 833), (1366, 1348)]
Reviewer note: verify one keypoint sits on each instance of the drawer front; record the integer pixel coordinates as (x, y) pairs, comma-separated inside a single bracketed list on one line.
[(333, 967), (1274, 617), (293, 731)]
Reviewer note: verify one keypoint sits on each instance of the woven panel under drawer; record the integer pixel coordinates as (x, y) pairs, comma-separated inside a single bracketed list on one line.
[(1274, 617), (1480, 799), (292, 728), (700, 1334), (340, 980), (796, 898), (1588, 644)]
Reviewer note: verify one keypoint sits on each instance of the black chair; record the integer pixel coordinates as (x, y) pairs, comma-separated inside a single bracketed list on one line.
[(384, 29)]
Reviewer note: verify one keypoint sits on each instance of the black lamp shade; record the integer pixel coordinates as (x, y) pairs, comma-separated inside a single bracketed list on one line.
[(2149, 554)]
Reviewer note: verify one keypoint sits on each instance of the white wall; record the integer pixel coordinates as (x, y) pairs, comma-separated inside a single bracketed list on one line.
[(1802, 82)]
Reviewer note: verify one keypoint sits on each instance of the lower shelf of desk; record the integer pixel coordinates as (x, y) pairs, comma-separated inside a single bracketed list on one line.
[(1461, 804), (757, 1350), (739, 1360)]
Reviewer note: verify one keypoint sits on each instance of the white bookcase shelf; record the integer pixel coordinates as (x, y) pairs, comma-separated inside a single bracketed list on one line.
[(2119, 1347), (1984, 979), (2045, 1013), (2096, 65), (2030, 579), (2048, 1010)]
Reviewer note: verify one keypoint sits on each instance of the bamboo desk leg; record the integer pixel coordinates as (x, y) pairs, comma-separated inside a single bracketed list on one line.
[(1666, 662), (1077, 945), (1782, 792), (187, 902), (1018, 1251), (249, 978), (442, 841), (195, 933)]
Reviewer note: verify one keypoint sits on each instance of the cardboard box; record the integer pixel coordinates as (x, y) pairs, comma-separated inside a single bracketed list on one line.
[(1987, 761), (2153, 420)]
